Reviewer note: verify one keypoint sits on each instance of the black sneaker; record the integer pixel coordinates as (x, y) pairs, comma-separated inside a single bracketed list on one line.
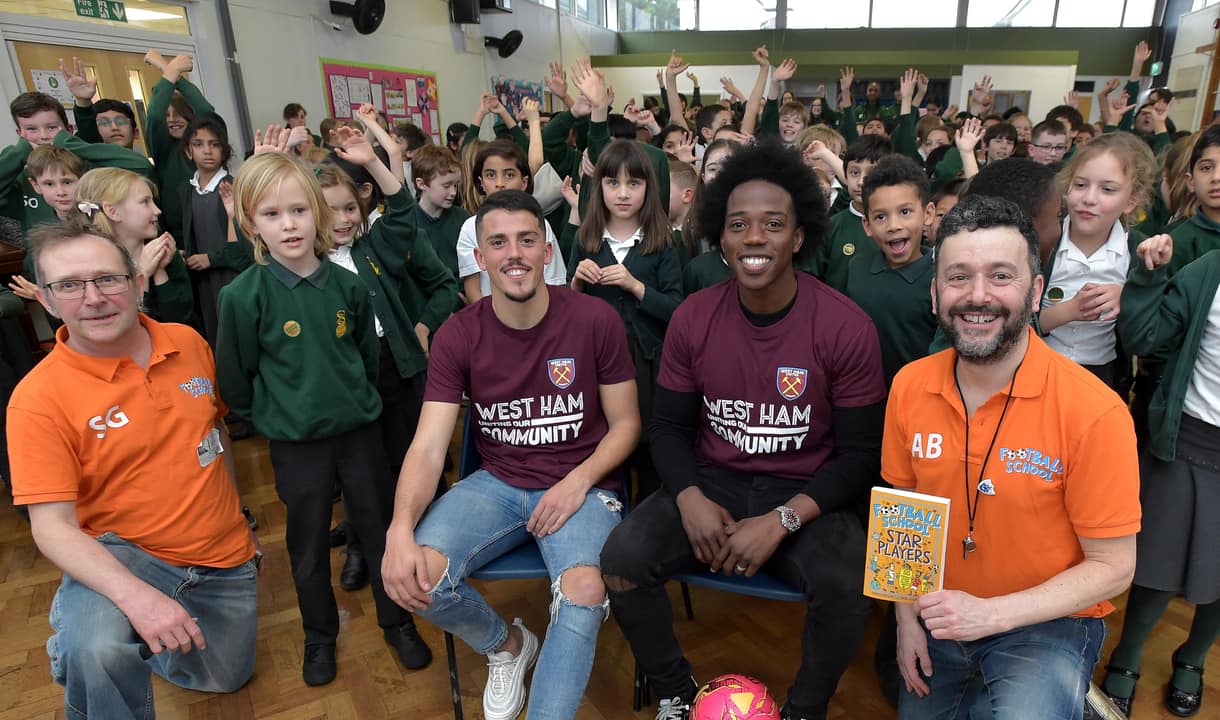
[(411, 648), (355, 573), (318, 667)]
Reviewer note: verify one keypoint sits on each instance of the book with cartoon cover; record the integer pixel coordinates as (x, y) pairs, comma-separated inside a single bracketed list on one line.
[(906, 544)]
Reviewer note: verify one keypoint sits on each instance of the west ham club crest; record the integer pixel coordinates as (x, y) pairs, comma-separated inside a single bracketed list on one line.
[(562, 371), (790, 381)]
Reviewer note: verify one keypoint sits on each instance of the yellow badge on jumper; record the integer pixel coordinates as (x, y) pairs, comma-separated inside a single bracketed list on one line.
[(292, 328), (340, 324), (849, 249)]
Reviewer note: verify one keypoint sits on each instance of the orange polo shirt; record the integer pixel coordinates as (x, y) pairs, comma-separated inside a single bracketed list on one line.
[(1064, 465), (124, 443)]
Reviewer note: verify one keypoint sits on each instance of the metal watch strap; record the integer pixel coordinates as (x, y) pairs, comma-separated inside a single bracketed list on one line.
[(789, 518)]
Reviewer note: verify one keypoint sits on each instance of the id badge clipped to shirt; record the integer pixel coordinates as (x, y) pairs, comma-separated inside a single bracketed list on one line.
[(209, 449)]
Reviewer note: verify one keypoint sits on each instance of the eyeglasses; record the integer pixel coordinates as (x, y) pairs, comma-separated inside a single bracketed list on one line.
[(1051, 148), (75, 289), (117, 122)]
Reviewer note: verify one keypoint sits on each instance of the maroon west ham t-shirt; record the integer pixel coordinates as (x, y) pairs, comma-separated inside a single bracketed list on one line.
[(768, 392), (533, 393)]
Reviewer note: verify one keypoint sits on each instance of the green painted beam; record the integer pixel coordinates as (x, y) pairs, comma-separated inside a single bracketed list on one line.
[(1095, 51)]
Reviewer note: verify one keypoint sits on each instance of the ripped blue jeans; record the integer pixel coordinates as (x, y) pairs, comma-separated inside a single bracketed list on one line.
[(480, 519)]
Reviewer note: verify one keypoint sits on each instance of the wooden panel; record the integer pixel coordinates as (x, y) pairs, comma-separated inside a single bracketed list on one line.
[(111, 69)]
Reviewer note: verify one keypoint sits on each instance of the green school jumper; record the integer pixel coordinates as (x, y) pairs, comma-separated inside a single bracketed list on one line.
[(563, 158), (845, 241), (298, 356), (1160, 315), (26, 206), (704, 271), (899, 300), (1192, 239), (443, 233), (172, 164), (407, 282)]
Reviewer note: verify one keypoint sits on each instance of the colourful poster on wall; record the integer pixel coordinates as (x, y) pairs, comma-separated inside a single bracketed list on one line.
[(401, 93), (511, 92)]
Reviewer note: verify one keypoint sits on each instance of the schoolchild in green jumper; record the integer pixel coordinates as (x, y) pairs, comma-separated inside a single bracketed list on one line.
[(412, 294), (892, 286), (1193, 238), (297, 355), (119, 204), (172, 105), (624, 255), (846, 237), (709, 267), (1179, 481), (437, 174)]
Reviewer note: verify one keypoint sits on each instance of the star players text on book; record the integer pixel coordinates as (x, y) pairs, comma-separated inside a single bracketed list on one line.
[(906, 544)]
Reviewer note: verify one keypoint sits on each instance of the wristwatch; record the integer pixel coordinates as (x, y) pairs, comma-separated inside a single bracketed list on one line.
[(789, 518)]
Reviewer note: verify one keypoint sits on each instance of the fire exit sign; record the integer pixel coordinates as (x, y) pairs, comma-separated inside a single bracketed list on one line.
[(102, 9)]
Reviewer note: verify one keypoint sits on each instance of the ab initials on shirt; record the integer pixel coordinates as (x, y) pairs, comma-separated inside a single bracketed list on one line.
[(930, 449)]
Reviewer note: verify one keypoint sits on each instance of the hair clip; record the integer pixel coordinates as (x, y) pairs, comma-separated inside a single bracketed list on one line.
[(87, 208)]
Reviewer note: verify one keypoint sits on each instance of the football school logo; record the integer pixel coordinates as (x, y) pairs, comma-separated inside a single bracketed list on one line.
[(790, 381), (562, 371)]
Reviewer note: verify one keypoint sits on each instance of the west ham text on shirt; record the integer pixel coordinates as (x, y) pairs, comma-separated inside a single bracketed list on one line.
[(531, 421)]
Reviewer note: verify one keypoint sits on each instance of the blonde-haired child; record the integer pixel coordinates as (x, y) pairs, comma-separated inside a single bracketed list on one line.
[(297, 355)]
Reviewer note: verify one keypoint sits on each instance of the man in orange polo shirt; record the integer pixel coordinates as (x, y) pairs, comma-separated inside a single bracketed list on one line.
[(1038, 459), (119, 453)]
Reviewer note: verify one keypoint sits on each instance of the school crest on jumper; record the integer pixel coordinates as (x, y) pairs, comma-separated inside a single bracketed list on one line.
[(562, 371), (791, 381)]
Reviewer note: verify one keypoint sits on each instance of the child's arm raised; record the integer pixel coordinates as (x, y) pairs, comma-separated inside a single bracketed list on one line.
[(1157, 310), (350, 145), (968, 137), (904, 131), (847, 121), (557, 83), (769, 123), (535, 154), (749, 119), (83, 89), (367, 114), (675, 68)]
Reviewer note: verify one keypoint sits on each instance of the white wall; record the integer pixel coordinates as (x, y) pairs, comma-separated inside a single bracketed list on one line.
[(1047, 83), (639, 81), (280, 41)]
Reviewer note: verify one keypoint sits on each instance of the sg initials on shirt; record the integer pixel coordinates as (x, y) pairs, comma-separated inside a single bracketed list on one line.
[(926, 447)]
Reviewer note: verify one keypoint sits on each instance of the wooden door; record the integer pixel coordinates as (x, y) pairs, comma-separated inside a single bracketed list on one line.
[(120, 75)]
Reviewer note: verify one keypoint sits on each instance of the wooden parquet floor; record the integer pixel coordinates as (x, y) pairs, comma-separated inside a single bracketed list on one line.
[(730, 633)]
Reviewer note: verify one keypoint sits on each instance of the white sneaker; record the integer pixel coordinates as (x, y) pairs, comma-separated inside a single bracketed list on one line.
[(504, 695), (674, 708)]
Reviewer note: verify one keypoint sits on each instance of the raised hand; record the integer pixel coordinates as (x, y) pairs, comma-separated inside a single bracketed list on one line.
[(591, 84), (631, 112), (660, 78), (685, 150), (176, 67), (950, 112), (1072, 99), (274, 139), (676, 65), (156, 59), (847, 77), (557, 81), (761, 56), (907, 83), (300, 134), (586, 165), (922, 83), (351, 145), (367, 114), (969, 135), (581, 106), (1160, 114), (820, 91), (645, 118), (81, 87), (1110, 86), (1156, 251), (1113, 110), (693, 80), (784, 71), (571, 192), (1139, 56), (980, 94), (529, 110)]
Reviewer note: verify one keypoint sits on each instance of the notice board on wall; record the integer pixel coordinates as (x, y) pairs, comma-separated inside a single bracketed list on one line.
[(401, 93)]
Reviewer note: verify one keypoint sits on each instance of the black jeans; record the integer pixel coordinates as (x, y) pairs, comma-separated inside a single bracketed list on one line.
[(305, 474), (825, 559)]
